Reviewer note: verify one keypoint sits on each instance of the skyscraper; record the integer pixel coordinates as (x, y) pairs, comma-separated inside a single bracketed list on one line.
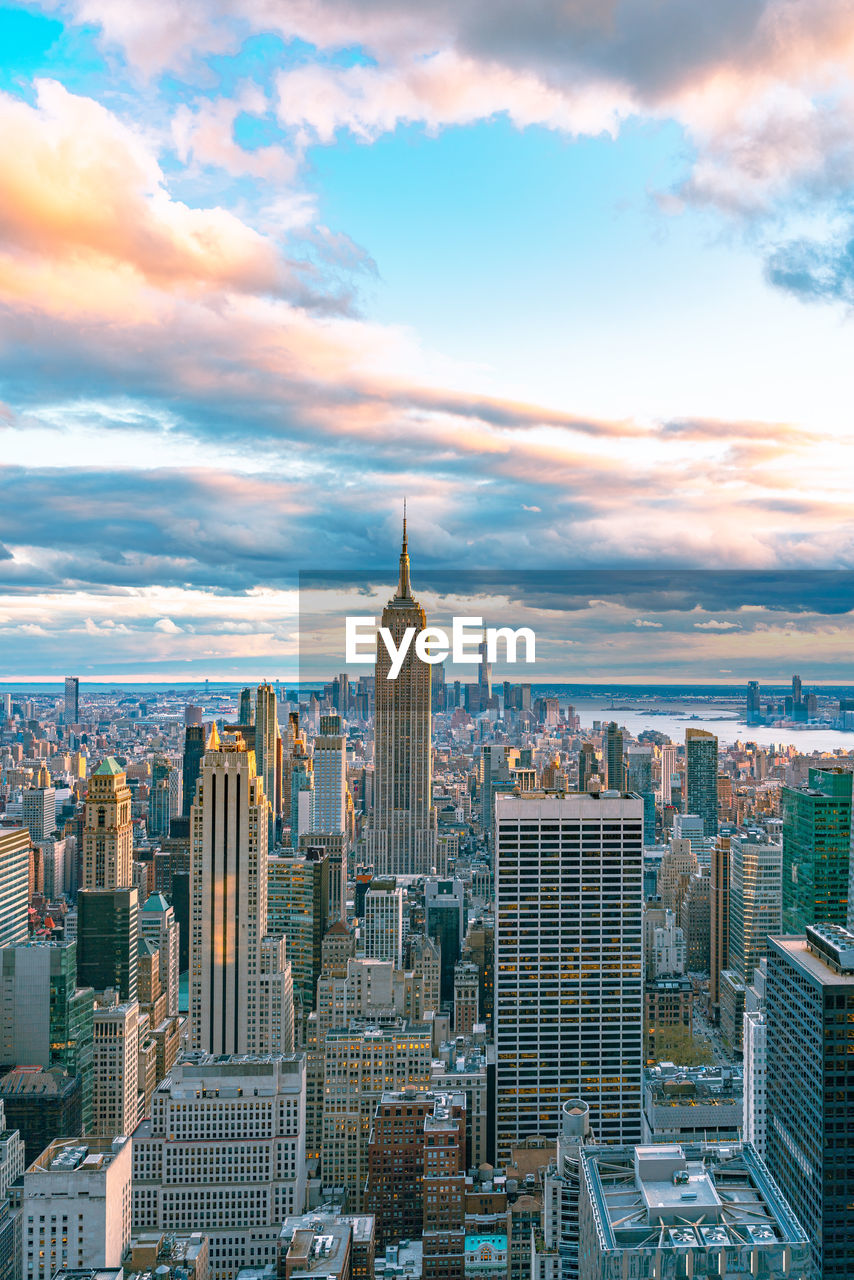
[(668, 768), (568, 975), (107, 939), (816, 849), (613, 750), (38, 810), (14, 885), (701, 777), (107, 829), (266, 735), (402, 838), (587, 765), (329, 813), (246, 714), (194, 749), (754, 704), (755, 900), (72, 700), (810, 1064), (228, 849), (718, 918), (163, 796)]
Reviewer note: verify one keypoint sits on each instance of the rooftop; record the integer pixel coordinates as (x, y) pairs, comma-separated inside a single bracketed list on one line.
[(651, 1197), (109, 767), (798, 951), (155, 902)]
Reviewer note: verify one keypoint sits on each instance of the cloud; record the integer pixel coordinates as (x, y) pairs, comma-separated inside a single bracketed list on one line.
[(83, 195), (167, 626), (815, 271), (647, 622), (759, 85), (717, 624)]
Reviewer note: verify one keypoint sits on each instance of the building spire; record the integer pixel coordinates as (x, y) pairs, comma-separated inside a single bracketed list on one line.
[(404, 590)]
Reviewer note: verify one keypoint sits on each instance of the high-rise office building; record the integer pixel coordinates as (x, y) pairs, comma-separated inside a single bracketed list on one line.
[(402, 836), (72, 700), (445, 923), (157, 924), (115, 1101), (568, 973), (701, 778), (107, 940), (816, 849), (38, 812), (330, 783), (755, 900), (266, 737), (224, 1147), (639, 780), (754, 703), (298, 910), (76, 1208), (755, 1043), (668, 768), (107, 829), (163, 797), (246, 712), (194, 749), (810, 1063), (229, 831), (588, 765), (45, 1018), (615, 774), (718, 919), (382, 924), (14, 885)]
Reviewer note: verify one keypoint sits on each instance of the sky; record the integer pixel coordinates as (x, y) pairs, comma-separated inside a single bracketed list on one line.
[(574, 276)]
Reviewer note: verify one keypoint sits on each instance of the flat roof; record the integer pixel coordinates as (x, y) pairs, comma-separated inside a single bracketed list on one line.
[(797, 950)]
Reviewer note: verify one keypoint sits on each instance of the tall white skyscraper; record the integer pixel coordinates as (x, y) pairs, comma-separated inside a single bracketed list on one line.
[(266, 737), (668, 766), (229, 973), (402, 837), (568, 972)]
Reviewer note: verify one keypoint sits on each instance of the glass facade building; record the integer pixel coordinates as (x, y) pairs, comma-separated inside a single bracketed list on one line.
[(816, 850)]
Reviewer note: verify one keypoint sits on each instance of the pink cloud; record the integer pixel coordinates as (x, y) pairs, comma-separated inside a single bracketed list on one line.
[(80, 187)]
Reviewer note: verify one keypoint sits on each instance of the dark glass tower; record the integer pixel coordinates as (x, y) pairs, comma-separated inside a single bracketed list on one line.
[(194, 749), (810, 1085), (107, 937), (614, 769), (701, 778), (816, 849)]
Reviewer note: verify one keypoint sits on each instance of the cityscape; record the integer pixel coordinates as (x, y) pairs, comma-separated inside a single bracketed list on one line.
[(426, 634), (406, 976)]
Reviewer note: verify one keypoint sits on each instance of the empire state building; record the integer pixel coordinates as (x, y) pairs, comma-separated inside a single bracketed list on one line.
[(402, 839)]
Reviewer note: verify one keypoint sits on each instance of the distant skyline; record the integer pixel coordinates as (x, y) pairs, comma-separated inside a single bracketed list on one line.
[(575, 278)]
